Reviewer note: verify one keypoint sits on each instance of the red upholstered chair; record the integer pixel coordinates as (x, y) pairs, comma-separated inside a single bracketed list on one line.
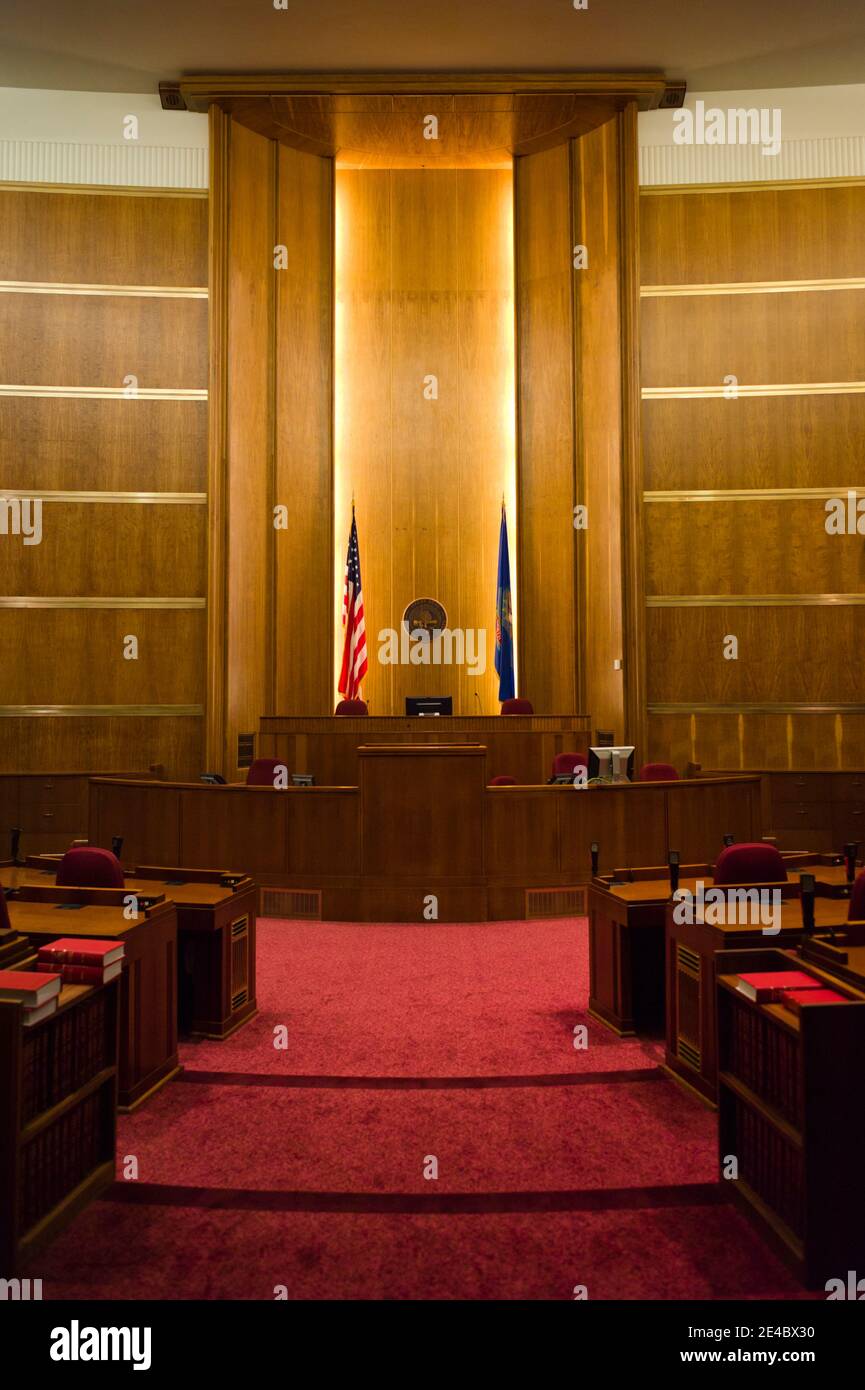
[(658, 772), (750, 863), (261, 772), (857, 900), (517, 707), (90, 867), (568, 762), (347, 708), (505, 780)]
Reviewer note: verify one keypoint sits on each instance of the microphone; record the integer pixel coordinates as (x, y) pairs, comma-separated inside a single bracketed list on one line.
[(116, 845), (807, 890), (15, 836), (478, 698), (673, 862), (594, 852), (729, 840), (850, 852)]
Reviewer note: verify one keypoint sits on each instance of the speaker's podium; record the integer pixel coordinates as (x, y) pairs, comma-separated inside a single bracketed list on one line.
[(422, 856)]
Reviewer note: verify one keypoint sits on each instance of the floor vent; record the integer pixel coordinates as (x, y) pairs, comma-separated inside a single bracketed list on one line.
[(291, 902), (556, 902), (238, 999)]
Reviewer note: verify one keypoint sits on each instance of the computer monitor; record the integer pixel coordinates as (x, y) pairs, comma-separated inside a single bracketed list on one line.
[(611, 764), (416, 705)]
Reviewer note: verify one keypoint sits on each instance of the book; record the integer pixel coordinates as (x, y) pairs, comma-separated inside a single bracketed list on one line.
[(84, 974), (28, 987), (79, 950), (763, 986), (795, 999), (31, 1016)]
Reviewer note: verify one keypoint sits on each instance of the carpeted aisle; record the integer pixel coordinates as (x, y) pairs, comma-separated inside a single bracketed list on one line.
[(428, 1131)]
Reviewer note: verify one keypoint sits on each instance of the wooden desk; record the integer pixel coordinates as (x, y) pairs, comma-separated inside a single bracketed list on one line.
[(822, 809), (148, 994), (216, 923), (522, 745), (691, 1043), (422, 821)]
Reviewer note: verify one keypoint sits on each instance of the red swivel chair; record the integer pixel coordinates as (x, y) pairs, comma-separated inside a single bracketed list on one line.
[(90, 868), (750, 863), (658, 772), (347, 708), (568, 762), (517, 707), (857, 900), (262, 771), (505, 780)]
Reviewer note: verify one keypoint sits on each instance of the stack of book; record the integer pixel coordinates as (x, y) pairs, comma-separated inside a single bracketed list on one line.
[(793, 988), (37, 991), (81, 961)]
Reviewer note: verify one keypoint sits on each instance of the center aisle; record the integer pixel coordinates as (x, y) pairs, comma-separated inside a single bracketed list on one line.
[(428, 1130)]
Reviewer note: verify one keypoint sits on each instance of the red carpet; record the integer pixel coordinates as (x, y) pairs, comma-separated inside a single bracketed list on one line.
[(304, 1167)]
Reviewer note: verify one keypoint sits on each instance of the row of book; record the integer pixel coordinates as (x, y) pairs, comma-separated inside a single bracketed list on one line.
[(61, 1156), (770, 1165), (764, 1057), (63, 1056), (69, 961)]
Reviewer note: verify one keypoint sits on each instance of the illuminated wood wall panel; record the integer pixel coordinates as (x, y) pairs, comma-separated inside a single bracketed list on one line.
[(581, 591), (69, 318), (549, 641), (424, 289), (270, 589), (736, 489), (303, 607)]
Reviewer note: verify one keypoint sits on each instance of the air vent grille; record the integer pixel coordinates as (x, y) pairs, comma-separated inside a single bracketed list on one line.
[(556, 902), (688, 1053), (291, 902), (245, 749)]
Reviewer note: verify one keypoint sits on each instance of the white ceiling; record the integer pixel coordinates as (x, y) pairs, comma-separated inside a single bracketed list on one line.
[(130, 45)]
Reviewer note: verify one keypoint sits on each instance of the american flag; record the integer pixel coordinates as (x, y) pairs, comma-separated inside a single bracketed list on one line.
[(354, 662)]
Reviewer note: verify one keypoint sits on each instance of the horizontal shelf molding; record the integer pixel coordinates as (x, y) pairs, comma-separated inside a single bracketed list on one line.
[(748, 494), (795, 388), (113, 291), (750, 287), (754, 600), (37, 601), (108, 393), (759, 707), (188, 499), (100, 711)]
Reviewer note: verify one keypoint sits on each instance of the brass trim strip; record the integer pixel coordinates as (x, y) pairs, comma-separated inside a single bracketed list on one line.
[(184, 499), (124, 291), (652, 190), (108, 393), (745, 494), (759, 707), (53, 601), (754, 600), (796, 388), (118, 190), (98, 711), (751, 287)]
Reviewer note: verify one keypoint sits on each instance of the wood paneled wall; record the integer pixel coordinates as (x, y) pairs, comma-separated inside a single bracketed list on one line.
[(270, 589), (765, 285), (101, 286), (424, 286), (581, 641)]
